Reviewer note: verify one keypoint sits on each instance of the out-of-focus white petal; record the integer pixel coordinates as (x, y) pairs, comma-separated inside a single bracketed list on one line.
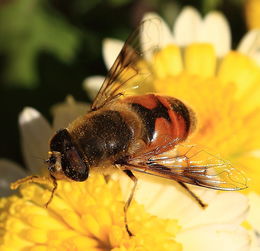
[(154, 34), (250, 45), (215, 29), (187, 26), (92, 85), (254, 212), (222, 209), (10, 172), (165, 198), (111, 48), (67, 111), (35, 133), (215, 238)]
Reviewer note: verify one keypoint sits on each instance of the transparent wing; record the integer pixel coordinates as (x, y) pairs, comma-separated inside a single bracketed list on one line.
[(131, 69), (192, 165)]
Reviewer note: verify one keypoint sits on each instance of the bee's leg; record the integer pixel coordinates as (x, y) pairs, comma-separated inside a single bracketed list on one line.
[(29, 179), (200, 202), (38, 180), (55, 185), (127, 204)]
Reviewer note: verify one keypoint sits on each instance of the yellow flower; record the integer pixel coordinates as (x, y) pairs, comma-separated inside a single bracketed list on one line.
[(90, 216), (223, 89), (252, 12), (81, 216)]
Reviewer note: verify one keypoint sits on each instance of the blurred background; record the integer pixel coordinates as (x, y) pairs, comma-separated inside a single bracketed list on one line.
[(47, 49)]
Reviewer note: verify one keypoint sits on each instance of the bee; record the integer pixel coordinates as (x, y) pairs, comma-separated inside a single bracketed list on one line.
[(137, 132)]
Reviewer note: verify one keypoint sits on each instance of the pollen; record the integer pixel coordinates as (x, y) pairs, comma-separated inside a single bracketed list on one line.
[(81, 216)]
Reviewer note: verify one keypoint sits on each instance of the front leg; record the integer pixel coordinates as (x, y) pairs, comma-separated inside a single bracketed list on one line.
[(130, 198)]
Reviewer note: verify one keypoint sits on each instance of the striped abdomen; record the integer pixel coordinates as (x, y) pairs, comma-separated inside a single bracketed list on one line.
[(166, 120)]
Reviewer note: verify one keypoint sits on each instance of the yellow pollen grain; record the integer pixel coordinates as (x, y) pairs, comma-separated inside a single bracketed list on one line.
[(247, 225)]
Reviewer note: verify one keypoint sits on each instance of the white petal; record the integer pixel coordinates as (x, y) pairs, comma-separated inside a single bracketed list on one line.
[(10, 172), (227, 207), (187, 26), (35, 133), (154, 34), (215, 238), (250, 45), (165, 198), (216, 30), (67, 111), (254, 215), (92, 85), (111, 49)]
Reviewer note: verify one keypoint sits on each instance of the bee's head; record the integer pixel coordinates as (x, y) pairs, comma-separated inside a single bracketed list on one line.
[(65, 159)]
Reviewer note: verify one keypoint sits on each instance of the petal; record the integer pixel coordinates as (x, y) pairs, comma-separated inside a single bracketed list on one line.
[(250, 45), (200, 59), (167, 62), (154, 34), (215, 238), (67, 111), (215, 30), (239, 69), (187, 26), (10, 172), (35, 133), (111, 49), (226, 207), (92, 85), (161, 197)]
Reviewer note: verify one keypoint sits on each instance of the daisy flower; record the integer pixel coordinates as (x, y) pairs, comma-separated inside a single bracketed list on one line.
[(90, 215)]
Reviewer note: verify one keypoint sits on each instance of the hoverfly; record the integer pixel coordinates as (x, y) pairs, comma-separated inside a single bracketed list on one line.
[(136, 132)]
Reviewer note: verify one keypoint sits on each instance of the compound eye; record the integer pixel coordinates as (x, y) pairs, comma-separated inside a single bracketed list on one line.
[(73, 165)]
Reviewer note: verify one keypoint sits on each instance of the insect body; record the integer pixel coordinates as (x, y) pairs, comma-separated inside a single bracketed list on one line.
[(118, 133)]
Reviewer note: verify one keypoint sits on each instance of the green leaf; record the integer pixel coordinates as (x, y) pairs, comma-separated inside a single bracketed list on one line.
[(28, 27)]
